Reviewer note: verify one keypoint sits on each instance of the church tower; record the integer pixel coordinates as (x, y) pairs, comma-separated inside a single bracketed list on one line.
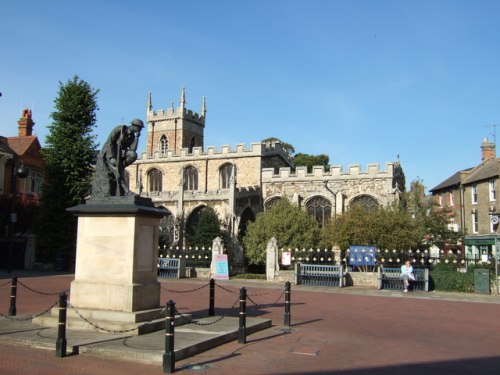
[(174, 128)]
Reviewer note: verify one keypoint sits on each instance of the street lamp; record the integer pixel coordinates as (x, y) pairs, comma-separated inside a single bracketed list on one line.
[(21, 172)]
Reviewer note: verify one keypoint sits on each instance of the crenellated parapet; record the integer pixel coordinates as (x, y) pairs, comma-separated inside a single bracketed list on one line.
[(354, 171), (172, 114), (256, 149)]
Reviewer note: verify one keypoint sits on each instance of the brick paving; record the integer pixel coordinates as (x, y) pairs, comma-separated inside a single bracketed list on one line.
[(347, 331)]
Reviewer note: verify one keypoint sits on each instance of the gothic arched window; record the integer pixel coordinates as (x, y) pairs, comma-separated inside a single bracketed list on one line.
[(163, 146), (190, 178), (155, 180), (166, 230), (271, 202), (366, 202), (320, 209), (192, 144), (225, 173)]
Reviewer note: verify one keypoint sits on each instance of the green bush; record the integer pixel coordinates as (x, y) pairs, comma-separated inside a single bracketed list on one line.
[(253, 276), (446, 277)]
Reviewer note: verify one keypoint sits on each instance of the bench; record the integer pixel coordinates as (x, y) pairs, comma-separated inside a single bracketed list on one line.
[(390, 278), (316, 274), (171, 267)]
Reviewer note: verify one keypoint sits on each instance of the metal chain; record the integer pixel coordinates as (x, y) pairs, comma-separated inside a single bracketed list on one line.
[(116, 331), (8, 282), (39, 292), (227, 290), (273, 303), (30, 317), (185, 291), (213, 322)]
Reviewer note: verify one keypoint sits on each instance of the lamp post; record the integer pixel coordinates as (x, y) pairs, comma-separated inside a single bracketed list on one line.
[(21, 172)]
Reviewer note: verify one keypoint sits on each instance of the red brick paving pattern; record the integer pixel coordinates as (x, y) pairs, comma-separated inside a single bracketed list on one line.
[(332, 333)]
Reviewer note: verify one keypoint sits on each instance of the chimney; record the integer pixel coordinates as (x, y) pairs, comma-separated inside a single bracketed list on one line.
[(487, 150), (25, 124)]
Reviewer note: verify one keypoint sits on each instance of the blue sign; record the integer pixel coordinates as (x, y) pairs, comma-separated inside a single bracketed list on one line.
[(362, 255)]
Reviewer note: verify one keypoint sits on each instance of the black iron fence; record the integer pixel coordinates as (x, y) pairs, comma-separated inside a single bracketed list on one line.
[(194, 257)]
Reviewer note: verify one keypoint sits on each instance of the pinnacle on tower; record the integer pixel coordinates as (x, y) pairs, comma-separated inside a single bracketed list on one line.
[(203, 107), (183, 98), (150, 103)]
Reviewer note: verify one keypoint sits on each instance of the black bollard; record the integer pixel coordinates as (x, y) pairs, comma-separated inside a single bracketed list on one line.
[(211, 308), (13, 294), (61, 332), (287, 304), (169, 355), (242, 334)]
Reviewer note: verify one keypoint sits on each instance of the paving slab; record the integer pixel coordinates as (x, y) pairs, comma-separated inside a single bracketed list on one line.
[(190, 339)]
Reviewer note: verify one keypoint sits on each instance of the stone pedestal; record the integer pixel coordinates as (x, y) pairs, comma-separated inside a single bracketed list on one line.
[(116, 266)]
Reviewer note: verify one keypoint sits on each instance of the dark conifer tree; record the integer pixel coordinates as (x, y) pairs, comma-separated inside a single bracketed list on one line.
[(69, 152)]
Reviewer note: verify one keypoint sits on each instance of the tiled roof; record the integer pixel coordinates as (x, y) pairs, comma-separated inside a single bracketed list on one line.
[(452, 181), (4, 146), (487, 169), (21, 144)]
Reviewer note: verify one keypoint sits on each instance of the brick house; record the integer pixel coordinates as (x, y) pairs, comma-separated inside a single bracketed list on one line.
[(22, 150), (470, 195)]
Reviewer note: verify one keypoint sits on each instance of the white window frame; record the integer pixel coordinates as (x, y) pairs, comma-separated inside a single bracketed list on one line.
[(475, 222), (492, 191), (473, 195), (451, 199)]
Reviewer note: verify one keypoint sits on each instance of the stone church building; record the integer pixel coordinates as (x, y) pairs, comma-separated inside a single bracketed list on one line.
[(178, 172)]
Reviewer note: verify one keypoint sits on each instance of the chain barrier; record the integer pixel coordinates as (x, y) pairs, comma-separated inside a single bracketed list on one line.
[(39, 292), (7, 282), (29, 317), (258, 306), (209, 323), (227, 290), (158, 316), (185, 291)]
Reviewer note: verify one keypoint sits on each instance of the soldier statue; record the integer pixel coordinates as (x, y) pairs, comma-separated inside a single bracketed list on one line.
[(119, 151)]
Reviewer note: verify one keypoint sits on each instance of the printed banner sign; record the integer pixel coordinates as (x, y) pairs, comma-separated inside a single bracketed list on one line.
[(286, 258), (221, 267)]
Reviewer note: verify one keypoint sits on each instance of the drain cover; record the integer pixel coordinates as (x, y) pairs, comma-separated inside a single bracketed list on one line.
[(198, 367)]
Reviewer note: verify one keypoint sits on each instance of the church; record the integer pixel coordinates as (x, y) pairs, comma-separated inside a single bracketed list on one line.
[(178, 172)]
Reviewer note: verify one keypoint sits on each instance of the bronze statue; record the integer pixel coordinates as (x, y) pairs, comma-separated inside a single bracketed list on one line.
[(119, 151)]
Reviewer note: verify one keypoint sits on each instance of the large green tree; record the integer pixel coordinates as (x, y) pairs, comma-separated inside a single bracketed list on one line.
[(207, 229), (310, 161), (69, 152), (291, 226), (386, 227)]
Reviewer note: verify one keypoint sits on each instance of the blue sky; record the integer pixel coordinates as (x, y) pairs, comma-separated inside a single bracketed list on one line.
[(361, 81)]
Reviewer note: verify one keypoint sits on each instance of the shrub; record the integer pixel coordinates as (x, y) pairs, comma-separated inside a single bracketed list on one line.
[(445, 277)]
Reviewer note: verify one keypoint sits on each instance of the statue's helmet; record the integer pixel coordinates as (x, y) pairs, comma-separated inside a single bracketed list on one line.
[(137, 122)]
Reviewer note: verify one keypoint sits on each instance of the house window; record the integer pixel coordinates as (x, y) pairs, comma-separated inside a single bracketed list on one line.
[(155, 180), (33, 182), (451, 200), (493, 191), (494, 221), (440, 201), (163, 145), (475, 224), (190, 179), (225, 173), (474, 194)]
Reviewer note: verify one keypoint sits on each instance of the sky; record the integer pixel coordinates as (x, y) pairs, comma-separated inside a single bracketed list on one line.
[(363, 81)]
